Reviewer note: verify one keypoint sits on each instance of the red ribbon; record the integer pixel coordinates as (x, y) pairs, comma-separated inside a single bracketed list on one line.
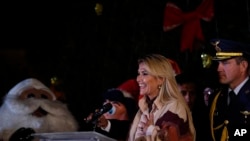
[(173, 17)]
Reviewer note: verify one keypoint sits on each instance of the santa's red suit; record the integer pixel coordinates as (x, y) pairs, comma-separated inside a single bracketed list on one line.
[(30, 104)]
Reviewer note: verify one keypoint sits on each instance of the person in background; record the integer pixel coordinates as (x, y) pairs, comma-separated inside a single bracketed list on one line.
[(192, 93), (188, 88), (163, 113), (116, 122), (230, 109), (31, 107)]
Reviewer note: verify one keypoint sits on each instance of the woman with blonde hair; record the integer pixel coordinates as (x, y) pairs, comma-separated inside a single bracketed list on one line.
[(163, 114)]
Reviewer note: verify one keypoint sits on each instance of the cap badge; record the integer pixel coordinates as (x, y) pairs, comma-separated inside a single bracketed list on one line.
[(215, 44)]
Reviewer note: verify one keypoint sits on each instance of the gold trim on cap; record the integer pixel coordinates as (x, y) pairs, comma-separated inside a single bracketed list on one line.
[(229, 54)]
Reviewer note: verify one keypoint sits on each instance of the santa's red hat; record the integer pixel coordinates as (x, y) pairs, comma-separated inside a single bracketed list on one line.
[(175, 66), (130, 86)]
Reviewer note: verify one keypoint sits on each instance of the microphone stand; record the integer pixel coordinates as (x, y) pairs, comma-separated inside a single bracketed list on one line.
[(95, 125)]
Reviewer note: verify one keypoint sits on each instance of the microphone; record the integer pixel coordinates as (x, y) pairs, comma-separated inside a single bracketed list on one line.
[(105, 108)]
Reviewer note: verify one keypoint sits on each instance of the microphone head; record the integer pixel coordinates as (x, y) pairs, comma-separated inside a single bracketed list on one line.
[(105, 108)]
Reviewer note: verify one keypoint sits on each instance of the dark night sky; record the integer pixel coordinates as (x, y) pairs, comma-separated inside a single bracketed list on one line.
[(93, 53)]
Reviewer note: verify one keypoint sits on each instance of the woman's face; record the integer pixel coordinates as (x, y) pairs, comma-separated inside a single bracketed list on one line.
[(149, 84)]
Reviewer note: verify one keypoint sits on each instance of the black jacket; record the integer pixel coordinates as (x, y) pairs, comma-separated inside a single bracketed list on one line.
[(119, 129)]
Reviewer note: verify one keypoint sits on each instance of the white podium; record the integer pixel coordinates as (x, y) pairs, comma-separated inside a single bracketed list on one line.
[(72, 136)]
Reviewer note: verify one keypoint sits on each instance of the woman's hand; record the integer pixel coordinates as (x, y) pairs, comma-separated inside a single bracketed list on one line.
[(149, 121)]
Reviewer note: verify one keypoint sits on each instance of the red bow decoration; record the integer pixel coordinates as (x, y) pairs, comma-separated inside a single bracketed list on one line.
[(173, 17)]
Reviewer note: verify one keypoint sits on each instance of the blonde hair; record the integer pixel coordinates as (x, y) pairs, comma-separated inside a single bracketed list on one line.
[(160, 67)]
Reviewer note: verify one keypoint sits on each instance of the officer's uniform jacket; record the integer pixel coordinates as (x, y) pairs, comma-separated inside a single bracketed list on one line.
[(227, 118)]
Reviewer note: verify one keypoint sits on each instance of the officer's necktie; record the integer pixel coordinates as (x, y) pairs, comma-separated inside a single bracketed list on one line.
[(232, 97)]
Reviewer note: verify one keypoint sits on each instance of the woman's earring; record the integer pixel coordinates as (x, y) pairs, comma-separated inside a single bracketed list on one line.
[(159, 87)]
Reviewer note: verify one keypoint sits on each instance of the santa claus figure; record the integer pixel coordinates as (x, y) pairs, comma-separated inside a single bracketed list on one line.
[(30, 107)]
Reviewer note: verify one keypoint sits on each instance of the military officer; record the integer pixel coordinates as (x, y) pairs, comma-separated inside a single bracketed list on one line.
[(230, 109)]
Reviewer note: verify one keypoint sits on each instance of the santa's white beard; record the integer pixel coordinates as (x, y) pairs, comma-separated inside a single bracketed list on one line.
[(15, 114)]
